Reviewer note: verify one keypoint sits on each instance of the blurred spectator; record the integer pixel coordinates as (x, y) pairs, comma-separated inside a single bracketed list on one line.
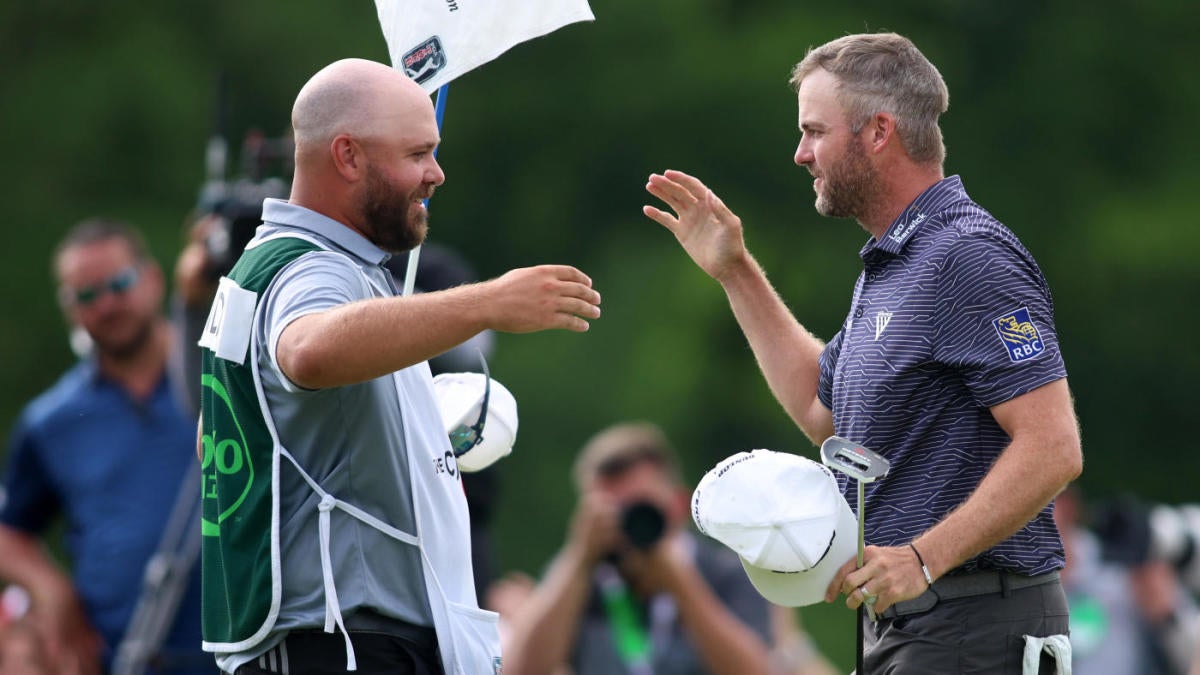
[(633, 590), (1124, 619), (21, 650), (108, 447)]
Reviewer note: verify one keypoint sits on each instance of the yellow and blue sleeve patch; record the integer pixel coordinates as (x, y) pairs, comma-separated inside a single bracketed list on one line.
[(1019, 335)]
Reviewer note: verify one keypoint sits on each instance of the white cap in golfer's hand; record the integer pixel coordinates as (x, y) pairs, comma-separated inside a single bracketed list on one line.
[(784, 517)]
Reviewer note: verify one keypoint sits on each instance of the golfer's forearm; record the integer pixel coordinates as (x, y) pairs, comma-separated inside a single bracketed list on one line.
[(367, 339), (543, 632), (787, 354), (726, 645), (1026, 477)]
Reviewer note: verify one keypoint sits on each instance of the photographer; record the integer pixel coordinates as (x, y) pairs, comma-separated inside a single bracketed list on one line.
[(633, 590), (1129, 613)]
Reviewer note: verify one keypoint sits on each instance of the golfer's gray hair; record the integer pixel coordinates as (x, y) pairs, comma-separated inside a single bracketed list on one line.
[(885, 72)]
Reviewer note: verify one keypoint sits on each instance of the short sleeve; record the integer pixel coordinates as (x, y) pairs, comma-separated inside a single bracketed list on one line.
[(827, 362), (995, 319), (315, 282), (29, 502)]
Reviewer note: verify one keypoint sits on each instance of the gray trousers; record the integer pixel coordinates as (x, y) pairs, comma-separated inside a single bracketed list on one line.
[(978, 634)]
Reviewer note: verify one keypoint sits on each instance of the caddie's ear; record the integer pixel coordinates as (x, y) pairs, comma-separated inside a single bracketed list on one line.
[(881, 131), (349, 157)]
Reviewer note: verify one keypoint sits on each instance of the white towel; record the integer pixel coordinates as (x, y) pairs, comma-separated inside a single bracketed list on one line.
[(1058, 646)]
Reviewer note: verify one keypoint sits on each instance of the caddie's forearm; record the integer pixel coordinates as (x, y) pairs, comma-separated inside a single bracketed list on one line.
[(787, 354), (367, 339)]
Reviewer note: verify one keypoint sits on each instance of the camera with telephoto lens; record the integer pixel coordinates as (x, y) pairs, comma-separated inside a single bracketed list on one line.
[(643, 524), (236, 205), (1133, 533)]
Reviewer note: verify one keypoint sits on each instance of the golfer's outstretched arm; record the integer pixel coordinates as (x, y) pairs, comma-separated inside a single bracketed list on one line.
[(787, 353)]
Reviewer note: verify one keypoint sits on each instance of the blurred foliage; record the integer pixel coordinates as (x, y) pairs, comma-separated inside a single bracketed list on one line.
[(1069, 123)]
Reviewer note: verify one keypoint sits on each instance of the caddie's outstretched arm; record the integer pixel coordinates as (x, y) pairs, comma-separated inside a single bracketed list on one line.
[(787, 354), (364, 340)]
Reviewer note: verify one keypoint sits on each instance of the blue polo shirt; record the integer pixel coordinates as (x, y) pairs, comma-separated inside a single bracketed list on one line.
[(112, 467), (949, 317)]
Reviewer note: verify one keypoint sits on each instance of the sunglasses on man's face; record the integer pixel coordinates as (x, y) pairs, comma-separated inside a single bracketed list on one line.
[(118, 284), (464, 437)]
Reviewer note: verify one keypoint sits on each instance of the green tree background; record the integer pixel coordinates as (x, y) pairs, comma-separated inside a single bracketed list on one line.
[(1071, 122)]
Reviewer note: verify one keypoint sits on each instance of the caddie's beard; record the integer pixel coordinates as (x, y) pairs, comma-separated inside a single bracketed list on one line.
[(397, 221), (849, 185)]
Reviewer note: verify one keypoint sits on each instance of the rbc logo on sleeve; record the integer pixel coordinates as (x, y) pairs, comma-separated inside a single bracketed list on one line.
[(1019, 335)]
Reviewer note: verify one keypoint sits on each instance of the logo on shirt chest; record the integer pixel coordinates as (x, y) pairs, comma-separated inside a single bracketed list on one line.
[(1019, 336), (882, 319)]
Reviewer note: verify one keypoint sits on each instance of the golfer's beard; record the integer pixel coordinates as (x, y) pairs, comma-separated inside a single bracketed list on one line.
[(390, 217), (850, 185)]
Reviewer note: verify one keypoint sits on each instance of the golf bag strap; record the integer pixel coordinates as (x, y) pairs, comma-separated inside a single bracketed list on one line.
[(986, 582)]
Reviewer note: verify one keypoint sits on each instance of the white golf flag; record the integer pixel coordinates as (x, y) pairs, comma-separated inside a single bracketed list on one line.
[(435, 41)]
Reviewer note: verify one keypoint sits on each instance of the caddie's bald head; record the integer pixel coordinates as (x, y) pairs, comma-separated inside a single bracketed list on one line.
[(357, 97)]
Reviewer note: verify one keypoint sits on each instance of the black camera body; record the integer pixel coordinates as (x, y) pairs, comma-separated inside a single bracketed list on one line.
[(1133, 533), (236, 216), (643, 524), (236, 205)]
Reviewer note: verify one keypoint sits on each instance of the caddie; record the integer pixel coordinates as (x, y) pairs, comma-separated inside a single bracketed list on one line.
[(336, 530)]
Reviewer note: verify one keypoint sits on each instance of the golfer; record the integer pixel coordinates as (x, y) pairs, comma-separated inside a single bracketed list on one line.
[(947, 364)]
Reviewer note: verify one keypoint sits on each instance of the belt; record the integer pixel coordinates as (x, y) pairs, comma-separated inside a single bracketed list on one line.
[(987, 582), (369, 621)]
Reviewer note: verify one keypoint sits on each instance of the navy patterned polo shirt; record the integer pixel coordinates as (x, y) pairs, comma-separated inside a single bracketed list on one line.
[(950, 316)]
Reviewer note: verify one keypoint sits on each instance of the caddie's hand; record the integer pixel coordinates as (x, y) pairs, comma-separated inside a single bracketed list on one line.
[(889, 574), (543, 297), (709, 232), (595, 528)]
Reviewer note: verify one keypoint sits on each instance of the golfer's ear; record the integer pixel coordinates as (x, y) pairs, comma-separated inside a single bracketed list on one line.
[(882, 131)]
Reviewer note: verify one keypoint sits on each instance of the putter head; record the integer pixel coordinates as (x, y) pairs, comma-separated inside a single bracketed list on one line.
[(854, 460)]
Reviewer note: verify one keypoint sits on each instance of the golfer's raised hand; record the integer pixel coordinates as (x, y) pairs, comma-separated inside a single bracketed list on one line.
[(538, 298), (709, 232)]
